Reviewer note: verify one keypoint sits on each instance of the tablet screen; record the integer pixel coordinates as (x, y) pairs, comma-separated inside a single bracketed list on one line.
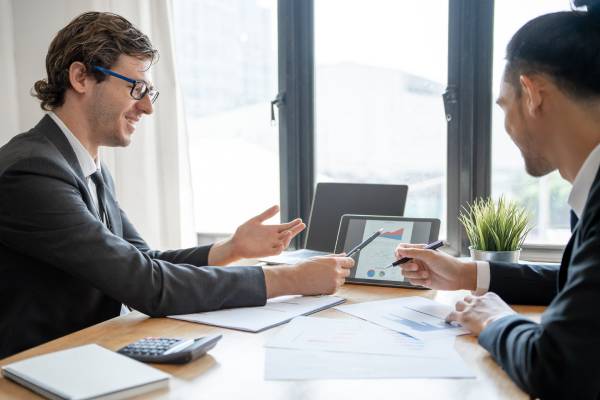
[(372, 260)]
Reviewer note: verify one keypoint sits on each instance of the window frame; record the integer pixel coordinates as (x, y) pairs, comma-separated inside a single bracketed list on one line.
[(468, 103), (295, 102)]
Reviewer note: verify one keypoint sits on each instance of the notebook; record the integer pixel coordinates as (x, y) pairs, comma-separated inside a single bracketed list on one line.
[(85, 372), (277, 311)]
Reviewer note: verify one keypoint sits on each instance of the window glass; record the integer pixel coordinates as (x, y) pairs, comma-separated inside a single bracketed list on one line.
[(226, 58), (545, 197), (381, 69)]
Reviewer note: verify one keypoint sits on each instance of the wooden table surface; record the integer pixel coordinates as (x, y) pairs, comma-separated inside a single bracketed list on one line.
[(234, 369)]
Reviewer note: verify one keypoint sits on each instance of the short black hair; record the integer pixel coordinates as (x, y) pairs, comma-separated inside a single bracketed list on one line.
[(563, 45)]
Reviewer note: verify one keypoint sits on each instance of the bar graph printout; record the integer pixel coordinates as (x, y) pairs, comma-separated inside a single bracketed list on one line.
[(322, 348), (355, 336), (416, 316)]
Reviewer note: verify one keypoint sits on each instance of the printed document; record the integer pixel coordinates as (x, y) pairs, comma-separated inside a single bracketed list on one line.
[(323, 348), (290, 364), (418, 317), (353, 336)]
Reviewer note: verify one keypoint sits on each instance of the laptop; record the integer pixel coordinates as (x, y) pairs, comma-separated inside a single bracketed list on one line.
[(332, 200)]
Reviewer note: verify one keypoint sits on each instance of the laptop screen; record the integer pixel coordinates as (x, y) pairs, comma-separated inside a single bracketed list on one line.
[(332, 200)]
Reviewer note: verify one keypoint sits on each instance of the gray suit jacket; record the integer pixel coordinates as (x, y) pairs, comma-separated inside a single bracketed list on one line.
[(62, 269)]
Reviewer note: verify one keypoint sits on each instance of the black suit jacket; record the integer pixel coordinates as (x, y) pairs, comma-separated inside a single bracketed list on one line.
[(62, 270), (559, 357)]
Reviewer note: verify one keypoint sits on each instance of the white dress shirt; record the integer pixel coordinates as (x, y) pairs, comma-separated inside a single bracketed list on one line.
[(88, 166), (577, 199), (86, 162)]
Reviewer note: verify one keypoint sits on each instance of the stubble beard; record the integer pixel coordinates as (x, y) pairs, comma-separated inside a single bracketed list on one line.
[(536, 165), (106, 126)]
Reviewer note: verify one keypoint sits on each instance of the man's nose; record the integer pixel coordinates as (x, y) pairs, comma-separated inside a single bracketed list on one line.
[(145, 105)]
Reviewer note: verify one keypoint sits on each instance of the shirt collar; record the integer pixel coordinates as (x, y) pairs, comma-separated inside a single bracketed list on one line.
[(86, 162), (583, 181)]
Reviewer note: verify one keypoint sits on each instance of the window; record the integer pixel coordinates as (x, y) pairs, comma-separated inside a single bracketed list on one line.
[(546, 197), (226, 56), (381, 69)]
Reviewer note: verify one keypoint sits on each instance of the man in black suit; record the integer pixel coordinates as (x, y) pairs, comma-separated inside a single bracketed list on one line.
[(551, 98), (69, 257)]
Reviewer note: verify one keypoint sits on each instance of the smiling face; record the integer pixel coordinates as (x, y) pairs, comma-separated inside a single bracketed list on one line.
[(113, 113), (525, 125)]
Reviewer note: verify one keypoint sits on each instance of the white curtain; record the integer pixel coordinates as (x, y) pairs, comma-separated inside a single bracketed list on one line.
[(152, 174), (9, 109)]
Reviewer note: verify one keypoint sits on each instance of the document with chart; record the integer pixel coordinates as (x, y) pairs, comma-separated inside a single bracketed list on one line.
[(416, 316), (352, 336), (324, 348)]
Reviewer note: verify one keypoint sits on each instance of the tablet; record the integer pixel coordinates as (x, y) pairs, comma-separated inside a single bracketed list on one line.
[(371, 261)]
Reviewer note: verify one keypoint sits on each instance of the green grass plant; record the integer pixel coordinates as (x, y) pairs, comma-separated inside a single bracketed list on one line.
[(492, 226)]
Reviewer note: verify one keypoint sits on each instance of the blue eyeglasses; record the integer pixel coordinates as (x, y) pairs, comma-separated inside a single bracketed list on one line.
[(139, 88)]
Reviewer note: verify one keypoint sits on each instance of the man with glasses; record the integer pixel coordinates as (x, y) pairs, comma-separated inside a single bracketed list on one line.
[(139, 89), (69, 256)]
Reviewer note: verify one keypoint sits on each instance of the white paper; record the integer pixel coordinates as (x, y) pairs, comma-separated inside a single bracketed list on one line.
[(293, 257), (255, 319), (288, 364), (354, 336), (416, 316)]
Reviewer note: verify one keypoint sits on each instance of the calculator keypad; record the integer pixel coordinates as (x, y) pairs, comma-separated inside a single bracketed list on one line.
[(150, 346)]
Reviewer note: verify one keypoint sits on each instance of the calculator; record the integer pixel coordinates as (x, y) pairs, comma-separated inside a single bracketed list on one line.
[(169, 350)]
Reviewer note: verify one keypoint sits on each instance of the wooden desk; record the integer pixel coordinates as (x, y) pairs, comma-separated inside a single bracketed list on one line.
[(234, 369)]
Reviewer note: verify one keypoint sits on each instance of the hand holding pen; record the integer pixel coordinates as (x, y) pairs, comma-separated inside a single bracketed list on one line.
[(431, 246), (436, 269)]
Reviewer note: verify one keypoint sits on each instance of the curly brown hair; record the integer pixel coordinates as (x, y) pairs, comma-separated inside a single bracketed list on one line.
[(92, 38)]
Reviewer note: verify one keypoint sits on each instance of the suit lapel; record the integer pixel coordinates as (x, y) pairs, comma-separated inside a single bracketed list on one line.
[(48, 128), (575, 228), (566, 260)]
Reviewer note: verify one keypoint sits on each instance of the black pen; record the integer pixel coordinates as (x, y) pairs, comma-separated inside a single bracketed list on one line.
[(364, 243), (430, 246)]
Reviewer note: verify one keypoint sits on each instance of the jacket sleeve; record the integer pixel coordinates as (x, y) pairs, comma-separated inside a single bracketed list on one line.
[(557, 358), (197, 256), (43, 215), (524, 283)]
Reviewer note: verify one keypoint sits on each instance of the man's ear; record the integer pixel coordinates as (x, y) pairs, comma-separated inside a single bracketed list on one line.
[(79, 78), (532, 94)]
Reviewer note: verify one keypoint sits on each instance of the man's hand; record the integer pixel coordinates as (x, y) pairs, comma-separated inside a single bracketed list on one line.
[(436, 270), (475, 312), (255, 239), (317, 275)]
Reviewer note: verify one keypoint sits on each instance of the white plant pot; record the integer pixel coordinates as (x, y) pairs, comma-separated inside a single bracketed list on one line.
[(500, 256)]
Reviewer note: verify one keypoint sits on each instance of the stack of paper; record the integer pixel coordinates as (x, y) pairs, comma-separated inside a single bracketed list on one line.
[(412, 341), (321, 348)]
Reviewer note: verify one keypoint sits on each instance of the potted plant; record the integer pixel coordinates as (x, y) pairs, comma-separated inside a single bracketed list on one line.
[(496, 231)]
